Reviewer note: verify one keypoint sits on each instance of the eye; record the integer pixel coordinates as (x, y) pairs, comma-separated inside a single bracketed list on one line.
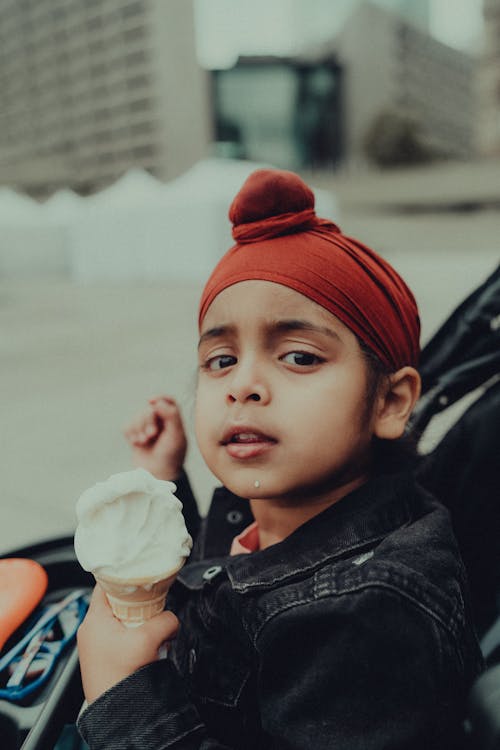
[(302, 359), (220, 362)]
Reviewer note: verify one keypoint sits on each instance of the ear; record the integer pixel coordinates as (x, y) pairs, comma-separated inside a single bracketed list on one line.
[(396, 402)]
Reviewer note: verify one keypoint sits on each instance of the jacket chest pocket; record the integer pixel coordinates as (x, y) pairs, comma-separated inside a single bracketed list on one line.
[(214, 663), (214, 669)]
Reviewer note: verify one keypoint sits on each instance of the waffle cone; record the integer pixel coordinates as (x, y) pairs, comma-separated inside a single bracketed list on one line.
[(135, 600)]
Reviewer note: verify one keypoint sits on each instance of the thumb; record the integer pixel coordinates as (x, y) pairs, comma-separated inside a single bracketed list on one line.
[(167, 409), (160, 628), (99, 605), (98, 616)]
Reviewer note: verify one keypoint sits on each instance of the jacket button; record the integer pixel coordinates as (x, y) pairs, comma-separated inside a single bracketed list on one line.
[(234, 517), (211, 572)]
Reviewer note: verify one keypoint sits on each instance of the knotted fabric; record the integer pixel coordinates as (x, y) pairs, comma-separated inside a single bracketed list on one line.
[(279, 238)]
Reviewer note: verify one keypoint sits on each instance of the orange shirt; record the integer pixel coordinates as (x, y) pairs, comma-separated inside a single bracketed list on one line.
[(247, 541)]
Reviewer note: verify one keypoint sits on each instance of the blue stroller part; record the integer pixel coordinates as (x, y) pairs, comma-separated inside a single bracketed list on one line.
[(31, 661)]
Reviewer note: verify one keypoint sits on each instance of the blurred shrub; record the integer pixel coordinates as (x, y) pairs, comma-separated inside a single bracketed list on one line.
[(395, 139)]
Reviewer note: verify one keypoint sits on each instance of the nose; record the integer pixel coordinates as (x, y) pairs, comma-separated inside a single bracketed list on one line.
[(248, 384)]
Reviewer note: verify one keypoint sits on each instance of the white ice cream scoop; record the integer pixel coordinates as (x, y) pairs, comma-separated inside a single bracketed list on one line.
[(132, 536)]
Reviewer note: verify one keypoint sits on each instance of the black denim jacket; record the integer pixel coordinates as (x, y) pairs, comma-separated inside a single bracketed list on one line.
[(354, 632)]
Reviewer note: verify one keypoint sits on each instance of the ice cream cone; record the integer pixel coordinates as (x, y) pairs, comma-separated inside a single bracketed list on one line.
[(135, 600), (132, 536)]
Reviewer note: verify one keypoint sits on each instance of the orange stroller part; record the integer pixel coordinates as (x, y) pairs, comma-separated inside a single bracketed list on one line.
[(23, 583)]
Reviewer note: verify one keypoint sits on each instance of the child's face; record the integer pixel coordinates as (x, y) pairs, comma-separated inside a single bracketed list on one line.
[(281, 395)]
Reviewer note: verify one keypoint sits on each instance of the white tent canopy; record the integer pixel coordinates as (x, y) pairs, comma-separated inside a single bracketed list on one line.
[(224, 177), (62, 207), (135, 187), (137, 229), (140, 228), (18, 210), (29, 245)]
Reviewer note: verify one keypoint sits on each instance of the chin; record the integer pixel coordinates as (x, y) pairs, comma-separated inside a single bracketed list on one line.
[(267, 489), (242, 487)]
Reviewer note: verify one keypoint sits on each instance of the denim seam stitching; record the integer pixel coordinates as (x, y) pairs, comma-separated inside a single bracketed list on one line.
[(374, 584), (306, 569), (179, 737), (206, 698)]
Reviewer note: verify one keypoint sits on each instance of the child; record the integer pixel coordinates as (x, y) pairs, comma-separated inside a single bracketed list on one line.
[(339, 618)]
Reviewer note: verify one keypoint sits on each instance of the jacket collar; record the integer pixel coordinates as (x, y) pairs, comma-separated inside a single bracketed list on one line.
[(359, 520)]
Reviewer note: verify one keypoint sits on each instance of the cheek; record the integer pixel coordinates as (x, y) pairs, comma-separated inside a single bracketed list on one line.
[(203, 414), (340, 405)]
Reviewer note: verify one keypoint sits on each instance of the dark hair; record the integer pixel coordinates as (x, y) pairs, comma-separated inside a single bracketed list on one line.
[(389, 456), (378, 373)]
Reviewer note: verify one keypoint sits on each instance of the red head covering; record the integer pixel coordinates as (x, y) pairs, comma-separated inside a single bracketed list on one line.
[(279, 238)]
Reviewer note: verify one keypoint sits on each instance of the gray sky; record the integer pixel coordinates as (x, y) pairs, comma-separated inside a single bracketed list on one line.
[(226, 28)]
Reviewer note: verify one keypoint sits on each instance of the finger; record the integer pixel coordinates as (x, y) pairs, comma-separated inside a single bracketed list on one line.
[(98, 613), (164, 406), (162, 397), (99, 602), (161, 628), (132, 430), (143, 428), (150, 426), (134, 437), (167, 410)]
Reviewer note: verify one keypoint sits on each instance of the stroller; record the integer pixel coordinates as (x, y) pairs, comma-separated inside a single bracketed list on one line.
[(461, 364)]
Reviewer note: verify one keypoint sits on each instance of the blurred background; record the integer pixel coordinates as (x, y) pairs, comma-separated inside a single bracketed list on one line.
[(126, 128)]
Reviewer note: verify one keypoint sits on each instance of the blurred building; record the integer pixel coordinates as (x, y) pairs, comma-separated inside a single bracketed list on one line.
[(320, 20), (90, 89), (393, 67), (418, 12), (284, 111), (320, 109), (489, 82)]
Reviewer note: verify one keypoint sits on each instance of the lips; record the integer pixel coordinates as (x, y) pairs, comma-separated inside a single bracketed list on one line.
[(245, 436), (246, 442)]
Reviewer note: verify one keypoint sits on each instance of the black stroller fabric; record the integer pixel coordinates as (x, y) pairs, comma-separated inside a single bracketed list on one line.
[(463, 354), (463, 471)]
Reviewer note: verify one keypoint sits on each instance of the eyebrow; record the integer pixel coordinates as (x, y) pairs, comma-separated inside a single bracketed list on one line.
[(215, 333), (297, 324), (279, 326)]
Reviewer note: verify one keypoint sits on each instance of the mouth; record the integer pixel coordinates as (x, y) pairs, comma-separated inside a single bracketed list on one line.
[(245, 442), (245, 436)]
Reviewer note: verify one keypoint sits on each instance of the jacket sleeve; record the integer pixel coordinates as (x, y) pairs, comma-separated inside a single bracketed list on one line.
[(148, 710)]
